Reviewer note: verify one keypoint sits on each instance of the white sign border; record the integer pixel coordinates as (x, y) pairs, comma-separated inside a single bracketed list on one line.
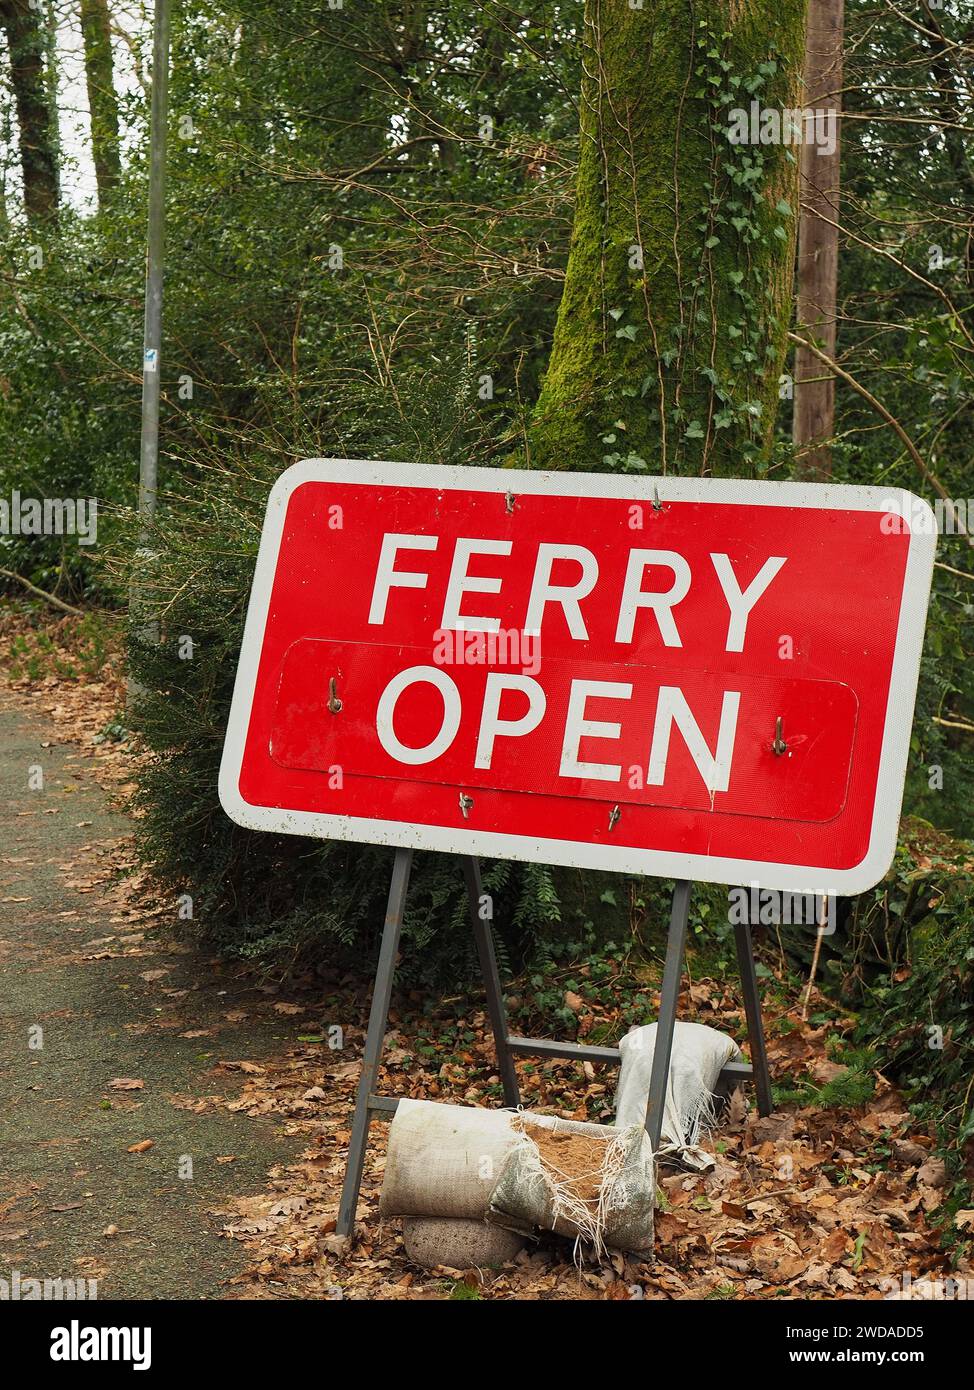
[(618, 858)]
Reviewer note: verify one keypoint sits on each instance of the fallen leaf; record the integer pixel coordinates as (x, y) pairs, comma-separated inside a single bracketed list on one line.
[(733, 1209), (933, 1173), (907, 1152), (823, 1070), (771, 1128), (142, 1147), (617, 1292), (737, 1109)]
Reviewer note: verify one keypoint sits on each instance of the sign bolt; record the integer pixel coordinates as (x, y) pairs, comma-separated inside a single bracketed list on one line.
[(334, 704), (779, 746), (614, 815), (465, 804), (509, 503)]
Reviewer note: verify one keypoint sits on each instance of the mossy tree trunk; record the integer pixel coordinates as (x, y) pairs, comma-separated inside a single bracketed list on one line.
[(96, 27), (670, 338), (38, 136)]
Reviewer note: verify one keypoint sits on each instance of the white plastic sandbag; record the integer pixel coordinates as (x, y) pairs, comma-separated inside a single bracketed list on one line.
[(699, 1053), (443, 1160), (471, 1164), (599, 1191)]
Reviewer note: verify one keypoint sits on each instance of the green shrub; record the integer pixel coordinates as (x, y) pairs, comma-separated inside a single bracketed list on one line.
[(907, 965)]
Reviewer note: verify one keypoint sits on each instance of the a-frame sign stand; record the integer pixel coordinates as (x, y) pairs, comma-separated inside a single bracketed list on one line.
[(368, 1103)]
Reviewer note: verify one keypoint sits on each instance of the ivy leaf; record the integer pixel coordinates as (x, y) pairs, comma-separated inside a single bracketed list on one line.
[(628, 332), (694, 430), (615, 314)]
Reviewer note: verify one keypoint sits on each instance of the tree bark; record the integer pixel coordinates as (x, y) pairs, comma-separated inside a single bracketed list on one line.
[(102, 100), (670, 336), (25, 42), (813, 424)]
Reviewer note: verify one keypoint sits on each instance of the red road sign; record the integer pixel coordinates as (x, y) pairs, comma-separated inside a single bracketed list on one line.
[(689, 678)]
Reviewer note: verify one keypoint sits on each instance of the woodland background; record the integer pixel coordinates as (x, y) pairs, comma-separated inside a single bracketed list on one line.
[(351, 252)]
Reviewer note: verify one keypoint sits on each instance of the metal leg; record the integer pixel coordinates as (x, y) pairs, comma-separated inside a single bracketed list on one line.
[(378, 1019), (752, 1009), (492, 982), (669, 995)]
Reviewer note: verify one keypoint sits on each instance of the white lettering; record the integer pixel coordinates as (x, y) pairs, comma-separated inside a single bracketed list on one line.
[(385, 714), (386, 576)]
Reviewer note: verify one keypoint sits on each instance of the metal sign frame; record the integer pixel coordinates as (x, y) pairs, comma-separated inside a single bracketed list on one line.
[(369, 1104), (470, 842)]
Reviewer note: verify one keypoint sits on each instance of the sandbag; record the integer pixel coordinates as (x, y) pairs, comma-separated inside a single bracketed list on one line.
[(699, 1053), (433, 1240), (586, 1182), (443, 1160)]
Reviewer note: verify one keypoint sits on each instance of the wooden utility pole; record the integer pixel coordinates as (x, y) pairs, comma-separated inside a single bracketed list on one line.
[(818, 239)]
